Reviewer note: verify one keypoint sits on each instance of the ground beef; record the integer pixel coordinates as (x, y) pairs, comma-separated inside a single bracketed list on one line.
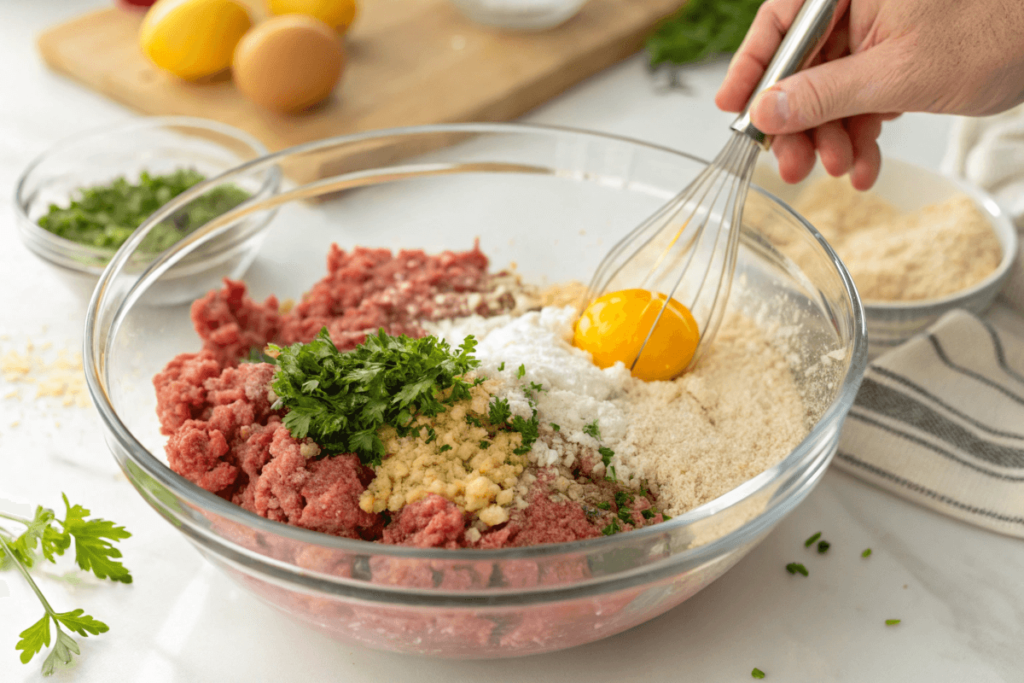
[(364, 290), (430, 522), (544, 520)]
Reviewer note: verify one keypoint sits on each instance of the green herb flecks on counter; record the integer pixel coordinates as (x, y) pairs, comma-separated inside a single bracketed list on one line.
[(49, 536), (105, 216), (701, 29)]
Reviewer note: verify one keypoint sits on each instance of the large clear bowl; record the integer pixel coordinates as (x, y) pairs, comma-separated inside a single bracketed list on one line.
[(551, 201)]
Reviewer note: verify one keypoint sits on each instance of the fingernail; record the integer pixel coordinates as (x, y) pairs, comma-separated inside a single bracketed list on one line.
[(770, 112)]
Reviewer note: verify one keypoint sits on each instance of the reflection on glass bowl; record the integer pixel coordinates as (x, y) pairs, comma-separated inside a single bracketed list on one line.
[(552, 201)]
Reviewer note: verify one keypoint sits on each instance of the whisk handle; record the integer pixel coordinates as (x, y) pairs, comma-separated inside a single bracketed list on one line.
[(803, 40)]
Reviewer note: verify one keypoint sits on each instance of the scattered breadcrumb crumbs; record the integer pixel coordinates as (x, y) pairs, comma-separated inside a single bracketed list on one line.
[(61, 377)]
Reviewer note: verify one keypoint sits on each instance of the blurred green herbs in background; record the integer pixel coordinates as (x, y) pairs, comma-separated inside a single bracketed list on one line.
[(701, 29), (105, 216)]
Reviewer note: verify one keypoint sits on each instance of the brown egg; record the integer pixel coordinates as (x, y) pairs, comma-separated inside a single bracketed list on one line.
[(288, 63)]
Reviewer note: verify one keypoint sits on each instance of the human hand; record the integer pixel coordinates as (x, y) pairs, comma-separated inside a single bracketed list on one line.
[(882, 58)]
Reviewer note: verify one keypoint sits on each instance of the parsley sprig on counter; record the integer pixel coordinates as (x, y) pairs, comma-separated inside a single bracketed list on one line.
[(93, 553), (340, 400), (104, 216)]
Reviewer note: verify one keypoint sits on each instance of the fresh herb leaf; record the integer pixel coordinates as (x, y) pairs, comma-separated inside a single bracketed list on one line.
[(606, 454), (556, 427), (104, 216), (257, 355), (501, 368), (498, 412), (756, 673), (701, 29), (484, 445), (665, 517), (604, 505), (623, 498), (810, 541), (892, 622), (866, 553), (446, 447), (796, 568), (626, 515), (528, 429), (648, 513), (93, 552), (612, 528), (611, 476), (823, 547), (340, 400), (521, 372), (592, 430)]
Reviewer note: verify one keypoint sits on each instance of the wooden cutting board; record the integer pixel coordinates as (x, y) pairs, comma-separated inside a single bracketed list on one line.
[(409, 62)]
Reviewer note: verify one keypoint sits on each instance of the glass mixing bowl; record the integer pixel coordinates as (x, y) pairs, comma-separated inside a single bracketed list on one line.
[(551, 201)]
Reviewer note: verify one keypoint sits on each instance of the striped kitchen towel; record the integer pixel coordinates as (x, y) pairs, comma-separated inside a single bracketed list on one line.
[(940, 420)]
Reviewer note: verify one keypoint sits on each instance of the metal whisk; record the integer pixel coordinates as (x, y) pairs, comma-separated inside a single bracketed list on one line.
[(687, 249)]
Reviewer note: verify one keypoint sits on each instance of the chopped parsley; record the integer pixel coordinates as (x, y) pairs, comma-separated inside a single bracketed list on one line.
[(623, 498), (866, 553), (521, 372), (105, 216), (603, 505), (501, 368), (823, 547), (810, 541), (447, 447), (556, 427), (340, 400), (606, 455), (648, 513), (484, 445), (257, 355), (612, 528), (756, 673), (796, 568), (498, 412), (592, 430), (529, 429), (473, 420), (611, 476), (626, 515), (892, 622)]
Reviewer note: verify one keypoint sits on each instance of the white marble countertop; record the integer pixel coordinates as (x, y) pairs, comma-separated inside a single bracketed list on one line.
[(957, 589)]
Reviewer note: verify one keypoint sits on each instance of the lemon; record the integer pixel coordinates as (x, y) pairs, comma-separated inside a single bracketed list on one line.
[(193, 38), (338, 14)]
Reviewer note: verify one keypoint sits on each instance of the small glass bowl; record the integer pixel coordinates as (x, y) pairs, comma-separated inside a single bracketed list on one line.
[(158, 145), (520, 15), (909, 187), (552, 201)]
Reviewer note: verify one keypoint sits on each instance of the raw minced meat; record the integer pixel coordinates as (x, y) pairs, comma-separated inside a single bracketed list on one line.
[(364, 290), (225, 435)]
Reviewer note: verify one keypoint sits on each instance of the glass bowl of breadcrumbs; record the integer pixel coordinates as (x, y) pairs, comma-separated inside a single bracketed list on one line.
[(918, 244)]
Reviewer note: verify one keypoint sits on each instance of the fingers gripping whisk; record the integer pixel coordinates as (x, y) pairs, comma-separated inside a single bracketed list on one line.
[(686, 252)]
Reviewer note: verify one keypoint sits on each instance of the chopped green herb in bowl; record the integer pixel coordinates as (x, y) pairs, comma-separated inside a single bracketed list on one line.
[(77, 203), (104, 216)]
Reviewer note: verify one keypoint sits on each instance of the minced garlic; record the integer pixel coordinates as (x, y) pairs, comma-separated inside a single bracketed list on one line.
[(459, 460)]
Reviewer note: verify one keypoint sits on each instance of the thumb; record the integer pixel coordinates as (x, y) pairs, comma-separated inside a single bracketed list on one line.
[(852, 85)]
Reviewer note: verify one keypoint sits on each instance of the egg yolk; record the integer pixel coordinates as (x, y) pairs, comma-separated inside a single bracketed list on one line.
[(614, 326)]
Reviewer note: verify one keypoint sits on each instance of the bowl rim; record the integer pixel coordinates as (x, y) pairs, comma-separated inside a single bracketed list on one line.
[(208, 502), (57, 243)]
